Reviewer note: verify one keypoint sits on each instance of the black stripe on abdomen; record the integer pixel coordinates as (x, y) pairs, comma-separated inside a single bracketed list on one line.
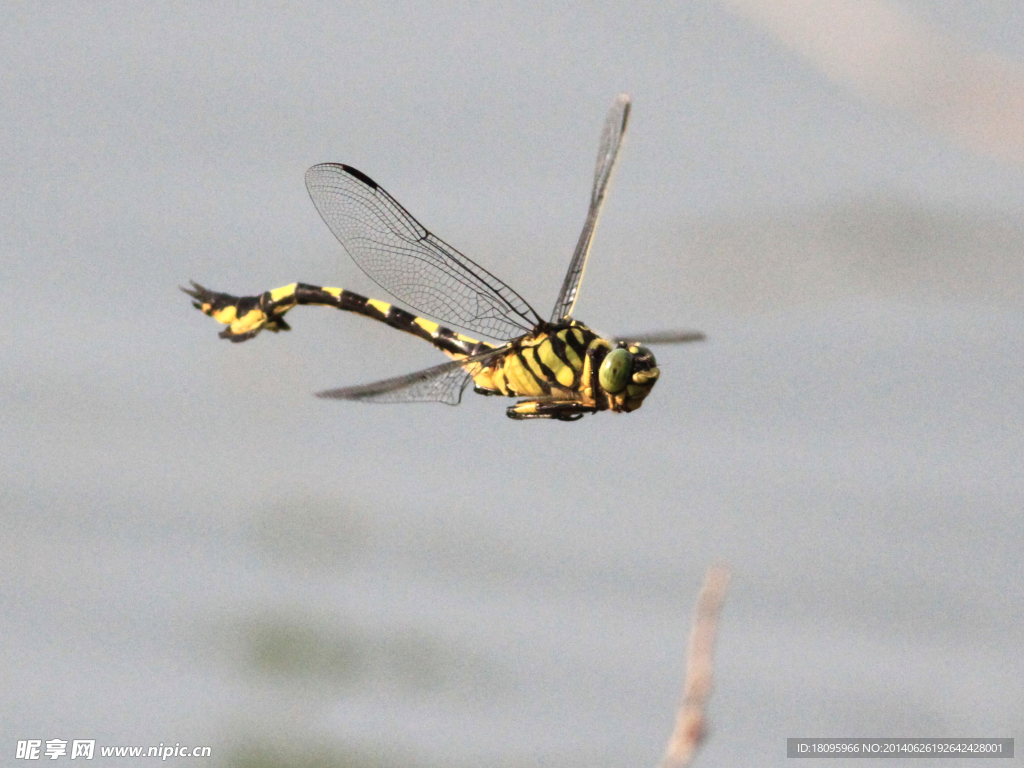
[(443, 338)]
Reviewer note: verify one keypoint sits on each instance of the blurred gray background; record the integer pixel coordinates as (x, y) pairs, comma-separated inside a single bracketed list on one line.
[(195, 550)]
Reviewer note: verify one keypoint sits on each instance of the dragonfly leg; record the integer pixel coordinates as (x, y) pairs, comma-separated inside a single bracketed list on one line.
[(561, 410), (486, 391)]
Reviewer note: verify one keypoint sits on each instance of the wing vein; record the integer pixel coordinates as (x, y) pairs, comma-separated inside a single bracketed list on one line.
[(410, 262), (607, 154), (443, 383)]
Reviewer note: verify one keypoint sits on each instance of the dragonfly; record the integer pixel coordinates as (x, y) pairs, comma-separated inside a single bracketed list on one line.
[(559, 368)]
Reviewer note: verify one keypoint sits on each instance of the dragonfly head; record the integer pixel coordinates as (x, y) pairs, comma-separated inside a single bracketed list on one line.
[(627, 374)]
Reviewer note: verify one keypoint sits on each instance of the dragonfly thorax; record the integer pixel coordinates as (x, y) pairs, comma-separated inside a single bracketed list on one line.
[(577, 363)]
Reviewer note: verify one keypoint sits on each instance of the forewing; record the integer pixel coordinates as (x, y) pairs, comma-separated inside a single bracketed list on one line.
[(441, 384), (662, 337), (611, 141), (408, 261)]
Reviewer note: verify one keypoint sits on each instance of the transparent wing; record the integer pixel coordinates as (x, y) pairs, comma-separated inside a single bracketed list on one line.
[(405, 259), (611, 140), (662, 337), (441, 384)]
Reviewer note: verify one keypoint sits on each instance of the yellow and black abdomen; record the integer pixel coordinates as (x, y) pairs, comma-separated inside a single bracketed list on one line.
[(246, 316)]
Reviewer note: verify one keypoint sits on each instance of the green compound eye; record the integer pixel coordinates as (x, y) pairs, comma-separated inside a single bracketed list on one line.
[(615, 371)]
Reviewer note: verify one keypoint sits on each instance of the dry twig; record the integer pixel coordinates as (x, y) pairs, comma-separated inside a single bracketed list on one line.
[(690, 720)]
